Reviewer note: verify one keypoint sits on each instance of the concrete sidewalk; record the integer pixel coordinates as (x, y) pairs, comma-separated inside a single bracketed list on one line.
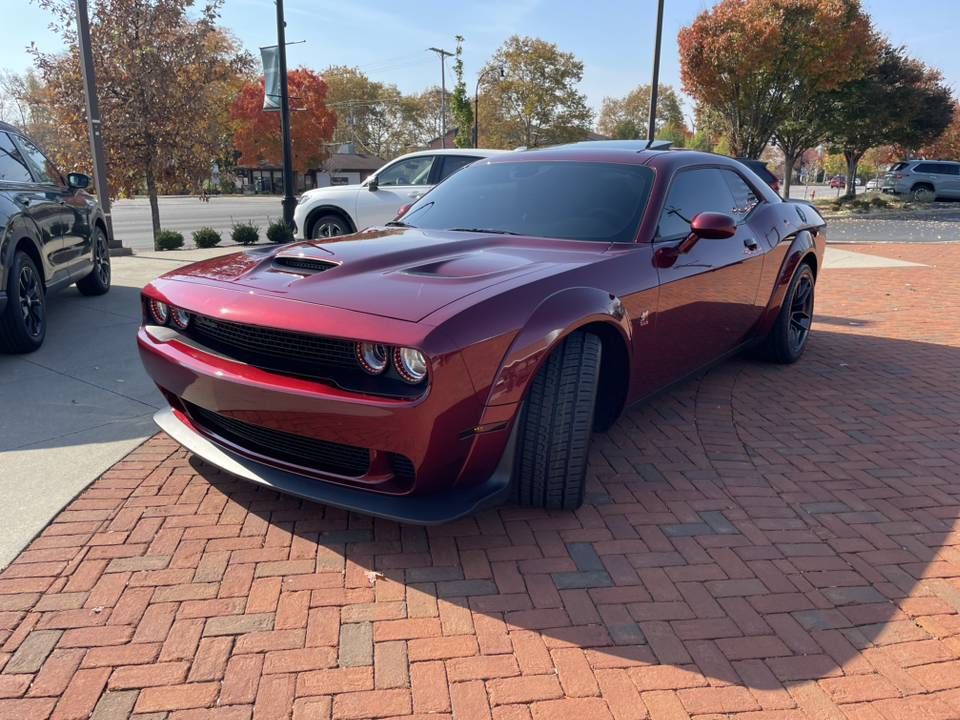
[(765, 543)]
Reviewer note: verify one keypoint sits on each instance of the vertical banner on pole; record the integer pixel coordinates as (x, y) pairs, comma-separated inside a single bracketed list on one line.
[(271, 78)]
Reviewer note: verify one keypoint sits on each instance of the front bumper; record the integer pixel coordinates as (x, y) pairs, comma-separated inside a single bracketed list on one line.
[(424, 510)]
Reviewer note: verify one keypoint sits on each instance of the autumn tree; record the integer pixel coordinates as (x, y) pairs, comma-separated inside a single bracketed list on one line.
[(162, 68), (633, 110), (258, 134), (536, 102), (947, 146), (753, 60), (898, 101), (429, 113), (460, 102)]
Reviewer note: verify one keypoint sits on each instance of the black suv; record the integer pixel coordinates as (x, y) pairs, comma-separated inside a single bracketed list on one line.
[(52, 234)]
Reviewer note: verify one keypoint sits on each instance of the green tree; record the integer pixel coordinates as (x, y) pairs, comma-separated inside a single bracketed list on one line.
[(634, 107), (536, 103), (899, 101), (162, 69), (460, 102), (753, 60)]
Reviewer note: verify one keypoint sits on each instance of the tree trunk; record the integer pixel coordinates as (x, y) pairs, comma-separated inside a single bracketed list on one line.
[(788, 161), (853, 159), (154, 205)]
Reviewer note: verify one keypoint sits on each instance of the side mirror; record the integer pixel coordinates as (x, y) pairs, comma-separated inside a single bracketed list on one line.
[(79, 181), (709, 226), (373, 185)]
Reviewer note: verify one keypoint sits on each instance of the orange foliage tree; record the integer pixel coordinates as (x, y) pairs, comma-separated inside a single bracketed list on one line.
[(312, 123), (754, 60), (947, 146)]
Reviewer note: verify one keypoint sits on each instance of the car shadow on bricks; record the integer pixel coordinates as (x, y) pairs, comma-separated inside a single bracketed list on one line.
[(776, 539)]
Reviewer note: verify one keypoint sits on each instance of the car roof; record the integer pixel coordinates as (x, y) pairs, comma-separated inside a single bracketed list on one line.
[(483, 152), (943, 162), (7, 127)]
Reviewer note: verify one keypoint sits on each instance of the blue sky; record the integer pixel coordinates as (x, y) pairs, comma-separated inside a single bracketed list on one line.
[(388, 40)]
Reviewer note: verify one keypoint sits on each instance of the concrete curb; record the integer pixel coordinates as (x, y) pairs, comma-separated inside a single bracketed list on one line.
[(880, 215)]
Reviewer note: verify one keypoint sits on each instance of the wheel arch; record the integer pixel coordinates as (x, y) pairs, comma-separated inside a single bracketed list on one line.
[(321, 210), (26, 245), (803, 251), (558, 316)]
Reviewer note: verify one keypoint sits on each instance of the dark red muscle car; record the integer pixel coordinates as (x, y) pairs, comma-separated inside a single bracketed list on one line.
[(464, 354)]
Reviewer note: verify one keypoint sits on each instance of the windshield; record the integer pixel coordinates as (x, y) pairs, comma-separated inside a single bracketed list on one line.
[(598, 201)]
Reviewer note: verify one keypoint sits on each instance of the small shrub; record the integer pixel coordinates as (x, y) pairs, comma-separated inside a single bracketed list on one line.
[(206, 237), (861, 203), (245, 233), (168, 240), (279, 232), (879, 202)]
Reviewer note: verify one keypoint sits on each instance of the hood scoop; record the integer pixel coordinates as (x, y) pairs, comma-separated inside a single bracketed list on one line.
[(302, 264)]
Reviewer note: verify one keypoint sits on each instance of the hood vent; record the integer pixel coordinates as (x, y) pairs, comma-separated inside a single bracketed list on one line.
[(302, 264)]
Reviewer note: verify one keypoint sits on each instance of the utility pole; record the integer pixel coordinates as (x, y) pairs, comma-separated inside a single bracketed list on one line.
[(288, 202), (93, 120), (655, 85), (443, 98)]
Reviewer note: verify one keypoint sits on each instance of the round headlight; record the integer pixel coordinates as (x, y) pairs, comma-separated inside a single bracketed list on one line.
[(372, 357), (180, 318), (411, 364), (160, 312)]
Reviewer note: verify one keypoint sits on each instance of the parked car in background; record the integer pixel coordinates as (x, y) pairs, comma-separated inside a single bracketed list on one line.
[(52, 234), (874, 184), (761, 169), (464, 354), (341, 210), (838, 182), (939, 178)]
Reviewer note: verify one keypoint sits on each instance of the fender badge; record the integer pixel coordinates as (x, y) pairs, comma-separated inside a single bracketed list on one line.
[(644, 318)]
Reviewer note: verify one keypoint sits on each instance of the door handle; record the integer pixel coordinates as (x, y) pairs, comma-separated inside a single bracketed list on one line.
[(23, 200), (750, 244), (416, 194)]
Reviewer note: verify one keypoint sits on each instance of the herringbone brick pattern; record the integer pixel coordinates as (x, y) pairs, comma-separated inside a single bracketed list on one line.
[(764, 543)]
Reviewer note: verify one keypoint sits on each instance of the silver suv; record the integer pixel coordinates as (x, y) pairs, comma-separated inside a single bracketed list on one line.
[(923, 178)]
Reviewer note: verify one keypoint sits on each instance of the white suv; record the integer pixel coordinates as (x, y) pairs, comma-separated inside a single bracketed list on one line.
[(344, 209)]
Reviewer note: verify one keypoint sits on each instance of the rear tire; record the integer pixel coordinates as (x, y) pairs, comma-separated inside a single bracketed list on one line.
[(788, 338), (923, 193), (329, 226), (23, 324), (553, 439), (98, 281)]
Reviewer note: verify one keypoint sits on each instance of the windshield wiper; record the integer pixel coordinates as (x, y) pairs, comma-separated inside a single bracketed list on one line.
[(398, 223), (482, 230)]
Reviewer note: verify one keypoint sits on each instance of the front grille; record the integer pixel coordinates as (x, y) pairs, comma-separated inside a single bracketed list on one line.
[(403, 467), (319, 455), (277, 343), (309, 264)]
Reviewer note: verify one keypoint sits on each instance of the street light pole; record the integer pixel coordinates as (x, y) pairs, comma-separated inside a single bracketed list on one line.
[(476, 105), (289, 203), (443, 89), (93, 120), (654, 86)]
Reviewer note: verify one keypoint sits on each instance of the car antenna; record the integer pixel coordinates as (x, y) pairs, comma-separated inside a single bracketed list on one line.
[(656, 76)]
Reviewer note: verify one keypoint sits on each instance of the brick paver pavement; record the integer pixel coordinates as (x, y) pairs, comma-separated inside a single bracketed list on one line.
[(764, 543)]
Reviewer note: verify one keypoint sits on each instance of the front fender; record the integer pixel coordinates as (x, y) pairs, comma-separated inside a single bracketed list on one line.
[(805, 246), (556, 317)]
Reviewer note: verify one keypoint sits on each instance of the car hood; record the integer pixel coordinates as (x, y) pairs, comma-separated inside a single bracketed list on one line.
[(405, 274)]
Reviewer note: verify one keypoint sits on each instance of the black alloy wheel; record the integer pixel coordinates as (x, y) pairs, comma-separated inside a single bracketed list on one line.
[(23, 324), (329, 226), (788, 338), (98, 281)]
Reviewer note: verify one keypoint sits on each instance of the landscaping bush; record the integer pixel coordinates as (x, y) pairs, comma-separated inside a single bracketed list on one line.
[(879, 202), (245, 233), (279, 232), (861, 203), (206, 237), (168, 240)]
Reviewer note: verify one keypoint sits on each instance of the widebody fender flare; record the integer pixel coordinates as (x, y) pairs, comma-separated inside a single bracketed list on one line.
[(803, 248), (556, 317)]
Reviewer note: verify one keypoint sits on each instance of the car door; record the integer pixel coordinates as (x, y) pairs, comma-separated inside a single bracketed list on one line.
[(40, 202), (75, 210), (396, 185), (949, 181), (708, 296)]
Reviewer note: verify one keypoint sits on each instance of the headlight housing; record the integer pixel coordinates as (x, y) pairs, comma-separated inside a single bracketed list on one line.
[(373, 357), (160, 312), (181, 318), (411, 364)]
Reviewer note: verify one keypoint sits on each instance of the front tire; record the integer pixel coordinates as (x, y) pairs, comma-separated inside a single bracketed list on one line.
[(788, 338), (23, 324), (98, 281), (553, 439), (329, 226)]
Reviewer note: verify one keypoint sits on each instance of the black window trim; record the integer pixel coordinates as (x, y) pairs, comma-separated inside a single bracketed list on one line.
[(17, 138), (721, 167)]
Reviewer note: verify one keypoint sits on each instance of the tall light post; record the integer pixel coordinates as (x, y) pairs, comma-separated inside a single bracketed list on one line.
[(443, 89), (289, 202), (654, 86), (476, 105)]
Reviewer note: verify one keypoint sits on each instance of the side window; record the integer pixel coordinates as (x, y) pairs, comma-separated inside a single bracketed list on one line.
[(691, 193), (951, 169), (13, 168), (42, 167), (415, 171), (452, 163), (745, 199), (926, 168)]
